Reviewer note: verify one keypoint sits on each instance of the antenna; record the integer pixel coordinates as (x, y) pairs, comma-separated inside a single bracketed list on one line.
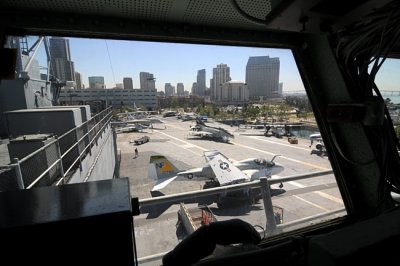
[(273, 158)]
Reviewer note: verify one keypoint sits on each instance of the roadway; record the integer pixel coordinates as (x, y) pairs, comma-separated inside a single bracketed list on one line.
[(298, 199)]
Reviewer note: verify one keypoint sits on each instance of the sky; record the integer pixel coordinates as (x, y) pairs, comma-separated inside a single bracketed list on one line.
[(169, 62), (174, 62)]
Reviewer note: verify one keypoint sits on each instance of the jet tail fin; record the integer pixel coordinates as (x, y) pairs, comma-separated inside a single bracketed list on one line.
[(161, 168)]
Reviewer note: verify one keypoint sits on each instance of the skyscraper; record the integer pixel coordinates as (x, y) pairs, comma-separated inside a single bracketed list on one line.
[(61, 65), (96, 82), (180, 89), (169, 90), (221, 74), (128, 83), (194, 88), (78, 80), (201, 82), (262, 76), (147, 81)]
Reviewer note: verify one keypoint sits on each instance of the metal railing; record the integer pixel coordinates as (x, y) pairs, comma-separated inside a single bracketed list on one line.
[(271, 227), (56, 161)]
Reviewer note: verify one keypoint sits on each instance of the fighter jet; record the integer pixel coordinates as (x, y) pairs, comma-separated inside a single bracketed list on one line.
[(208, 132), (218, 168), (218, 171)]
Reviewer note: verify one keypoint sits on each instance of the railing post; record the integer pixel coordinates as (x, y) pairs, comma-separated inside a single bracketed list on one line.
[(116, 172), (18, 172), (78, 148), (268, 208), (88, 137), (58, 149)]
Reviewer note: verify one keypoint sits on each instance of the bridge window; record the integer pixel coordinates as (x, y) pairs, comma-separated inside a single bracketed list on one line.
[(253, 104)]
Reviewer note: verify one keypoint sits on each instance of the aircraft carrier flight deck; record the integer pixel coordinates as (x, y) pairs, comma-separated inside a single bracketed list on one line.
[(299, 199)]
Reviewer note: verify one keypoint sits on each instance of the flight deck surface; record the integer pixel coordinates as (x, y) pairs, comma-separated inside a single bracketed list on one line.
[(298, 199)]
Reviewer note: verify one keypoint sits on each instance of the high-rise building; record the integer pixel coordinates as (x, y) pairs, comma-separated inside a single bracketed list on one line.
[(194, 88), (96, 82), (262, 76), (61, 65), (147, 81), (128, 83), (169, 90), (78, 80), (234, 92), (201, 82), (180, 89), (221, 74)]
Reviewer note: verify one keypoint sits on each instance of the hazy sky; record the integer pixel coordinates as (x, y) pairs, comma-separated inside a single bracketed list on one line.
[(173, 63)]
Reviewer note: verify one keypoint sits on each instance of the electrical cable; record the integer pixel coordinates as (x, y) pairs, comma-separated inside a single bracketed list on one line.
[(335, 142), (109, 58), (361, 50)]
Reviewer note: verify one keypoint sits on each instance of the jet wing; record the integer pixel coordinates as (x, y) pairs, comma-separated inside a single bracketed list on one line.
[(194, 171), (201, 133), (162, 183), (225, 172)]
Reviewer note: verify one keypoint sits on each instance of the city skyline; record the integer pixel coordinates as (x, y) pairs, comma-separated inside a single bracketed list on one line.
[(168, 62), (179, 63)]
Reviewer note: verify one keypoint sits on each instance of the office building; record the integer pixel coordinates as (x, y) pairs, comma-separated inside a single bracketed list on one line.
[(201, 82), (147, 81), (221, 74), (180, 89), (116, 97), (78, 80), (262, 77), (128, 83), (61, 65), (96, 82), (169, 90), (234, 92), (194, 88)]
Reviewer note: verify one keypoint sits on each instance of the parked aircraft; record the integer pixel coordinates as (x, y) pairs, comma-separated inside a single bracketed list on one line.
[(187, 116), (320, 149), (140, 124), (208, 132), (279, 130), (130, 128), (218, 169)]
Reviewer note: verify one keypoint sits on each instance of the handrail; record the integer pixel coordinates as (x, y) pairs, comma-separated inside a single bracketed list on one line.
[(84, 136), (212, 191), (90, 143), (63, 135), (96, 159), (70, 149), (105, 117)]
